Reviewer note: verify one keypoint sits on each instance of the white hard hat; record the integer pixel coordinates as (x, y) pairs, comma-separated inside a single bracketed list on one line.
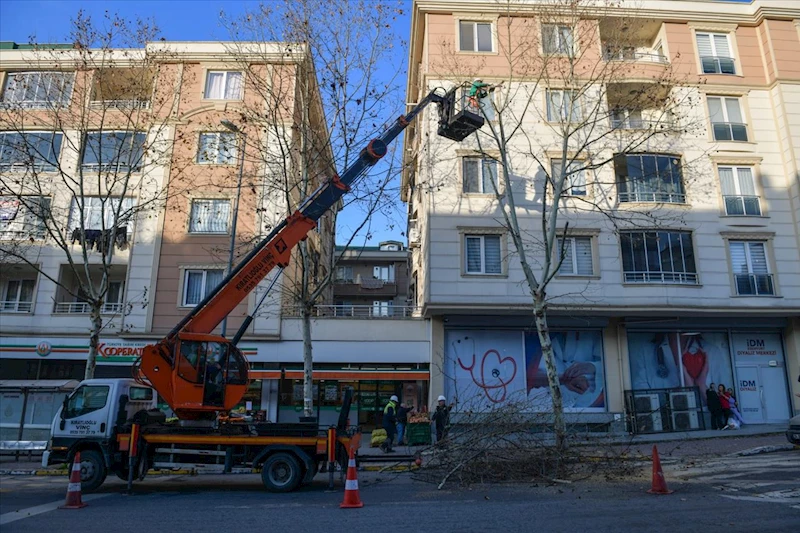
[(441, 399), (393, 398), (477, 79)]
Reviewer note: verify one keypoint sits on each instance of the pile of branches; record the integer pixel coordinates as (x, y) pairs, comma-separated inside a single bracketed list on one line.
[(512, 444)]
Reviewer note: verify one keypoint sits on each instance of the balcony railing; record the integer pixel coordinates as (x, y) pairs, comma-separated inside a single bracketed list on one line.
[(729, 131), (718, 65), (84, 308), (682, 278), (653, 197), (630, 55), (742, 206), (754, 285), (632, 123), (120, 104), (15, 306), (357, 311)]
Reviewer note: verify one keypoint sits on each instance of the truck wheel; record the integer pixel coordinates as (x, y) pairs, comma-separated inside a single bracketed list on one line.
[(281, 472), (93, 470)]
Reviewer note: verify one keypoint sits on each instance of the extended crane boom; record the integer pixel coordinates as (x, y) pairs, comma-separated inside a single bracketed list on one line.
[(198, 373)]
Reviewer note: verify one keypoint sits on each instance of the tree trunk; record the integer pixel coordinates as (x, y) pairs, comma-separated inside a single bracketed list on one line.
[(540, 315), (94, 341), (308, 366)]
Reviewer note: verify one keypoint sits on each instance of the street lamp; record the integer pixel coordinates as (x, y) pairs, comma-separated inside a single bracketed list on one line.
[(227, 124)]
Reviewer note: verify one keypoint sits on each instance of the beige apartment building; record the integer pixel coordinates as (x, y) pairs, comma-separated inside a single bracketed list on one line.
[(644, 317)]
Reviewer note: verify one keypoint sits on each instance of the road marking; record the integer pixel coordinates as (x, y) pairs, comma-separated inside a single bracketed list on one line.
[(757, 499), (13, 516)]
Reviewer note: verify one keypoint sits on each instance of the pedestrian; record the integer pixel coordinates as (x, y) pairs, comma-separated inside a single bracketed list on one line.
[(734, 408), (402, 421), (725, 404), (389, 423), (441, 417), (714, 407)]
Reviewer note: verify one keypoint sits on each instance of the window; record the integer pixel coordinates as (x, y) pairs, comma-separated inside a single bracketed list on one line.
[(86, 399), (479, 175), (18, 296), (658, 257), (385, 273), (139, 394), (217, 148), (38, 89), (344, 274), (739, 191), (557, 39), (117, 151), (475, 36), (726, 119), (750, 268), (197, 284), (575, 254), (649, 178), (32, 151), (209, 216), (343, 308), (482, 254), (223, 85), (99, 213), (114, 294), (575, 181), (380, 308), (563, 106), (715, 53), (627, 119), (23, 217)]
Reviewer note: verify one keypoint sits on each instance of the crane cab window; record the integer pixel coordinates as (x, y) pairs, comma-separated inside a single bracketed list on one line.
[(211, 362)]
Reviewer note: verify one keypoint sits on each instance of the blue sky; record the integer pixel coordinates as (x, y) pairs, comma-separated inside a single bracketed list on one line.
[(178, 20)]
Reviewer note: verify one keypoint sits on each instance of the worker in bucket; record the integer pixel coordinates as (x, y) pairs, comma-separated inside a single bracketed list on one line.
[(441, 418), (478, 89), (390, 423)]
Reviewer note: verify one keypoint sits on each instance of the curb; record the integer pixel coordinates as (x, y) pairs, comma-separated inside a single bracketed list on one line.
[(765, 449), (155, 473)]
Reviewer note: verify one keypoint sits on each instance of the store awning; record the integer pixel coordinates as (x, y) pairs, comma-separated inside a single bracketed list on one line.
[(354, 375)]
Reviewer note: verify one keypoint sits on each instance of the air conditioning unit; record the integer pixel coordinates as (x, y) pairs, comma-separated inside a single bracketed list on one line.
[(682, 401), (648, 413), (685, 420), (413, 237)]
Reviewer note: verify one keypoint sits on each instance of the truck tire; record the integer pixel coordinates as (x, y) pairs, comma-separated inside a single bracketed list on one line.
[(93, 470), (281, 472)]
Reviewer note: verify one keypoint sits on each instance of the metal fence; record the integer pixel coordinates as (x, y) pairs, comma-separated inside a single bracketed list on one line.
[(357, 311)]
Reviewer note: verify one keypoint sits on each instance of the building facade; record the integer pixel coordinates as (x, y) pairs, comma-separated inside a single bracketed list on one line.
[(644, 316)]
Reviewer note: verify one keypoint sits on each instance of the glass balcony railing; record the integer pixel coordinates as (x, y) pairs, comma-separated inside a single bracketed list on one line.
[(729, 131), (754, 285), (749, 206), (718, 65)]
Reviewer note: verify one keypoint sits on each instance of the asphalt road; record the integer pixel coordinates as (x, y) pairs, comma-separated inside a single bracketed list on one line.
[(760, 493)]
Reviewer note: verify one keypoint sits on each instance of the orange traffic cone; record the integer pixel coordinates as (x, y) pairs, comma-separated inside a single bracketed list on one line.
[(659, 483), (351, 496), (74, 487)]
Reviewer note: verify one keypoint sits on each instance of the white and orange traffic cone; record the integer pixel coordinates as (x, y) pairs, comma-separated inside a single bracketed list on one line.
[(74, 487), (659, 485), (351, 496)]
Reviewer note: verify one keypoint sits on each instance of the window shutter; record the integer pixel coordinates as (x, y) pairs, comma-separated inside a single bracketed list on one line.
[(583, 256), (565, 253), (704, 45), (470, 170), (473, 254), (738, 258), (726, 180), (758, 258), (746, 185), (492, 251), (721, 45)]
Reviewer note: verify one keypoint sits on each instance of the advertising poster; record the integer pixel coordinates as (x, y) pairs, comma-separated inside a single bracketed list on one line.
[(579, 363), (486, 369), (662, 360)]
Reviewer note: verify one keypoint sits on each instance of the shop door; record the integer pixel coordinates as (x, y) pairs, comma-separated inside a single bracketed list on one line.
[(762, 394)]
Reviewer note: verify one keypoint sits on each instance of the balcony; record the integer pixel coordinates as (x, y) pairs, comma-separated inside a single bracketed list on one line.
[(754, 285), (746, 206), (15, 306), (718, 65), (122, 88), (83, 308), (357, 311), (667, 278), (637, 123), (653, 197), (729, 131), (365, 287), (72, 298)]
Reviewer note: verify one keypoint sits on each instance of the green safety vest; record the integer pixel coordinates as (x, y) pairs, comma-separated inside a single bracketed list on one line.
[(392, 405)]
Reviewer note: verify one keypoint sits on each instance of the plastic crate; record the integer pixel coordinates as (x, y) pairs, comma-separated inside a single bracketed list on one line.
[(418, 434)]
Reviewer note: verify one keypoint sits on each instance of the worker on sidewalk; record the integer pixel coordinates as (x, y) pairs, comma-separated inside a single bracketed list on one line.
[(402, 420), (441, 417), (390, 423)]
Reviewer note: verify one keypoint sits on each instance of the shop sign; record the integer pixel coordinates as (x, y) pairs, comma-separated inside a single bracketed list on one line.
[(757, 345), (43, 349), (120, 351)]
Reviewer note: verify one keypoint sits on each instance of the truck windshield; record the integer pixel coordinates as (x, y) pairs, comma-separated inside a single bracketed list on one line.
[(86, 399)]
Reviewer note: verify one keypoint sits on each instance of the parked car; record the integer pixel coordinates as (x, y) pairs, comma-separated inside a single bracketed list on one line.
[(793, 433)]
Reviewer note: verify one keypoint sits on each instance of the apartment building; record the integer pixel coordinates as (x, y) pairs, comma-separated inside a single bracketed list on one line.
[(644, 316), (372, 280), (160, 138)]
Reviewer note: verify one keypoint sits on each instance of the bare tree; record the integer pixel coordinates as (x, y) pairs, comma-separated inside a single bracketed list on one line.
[(336, 99), (576, 89), (83, 153)]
